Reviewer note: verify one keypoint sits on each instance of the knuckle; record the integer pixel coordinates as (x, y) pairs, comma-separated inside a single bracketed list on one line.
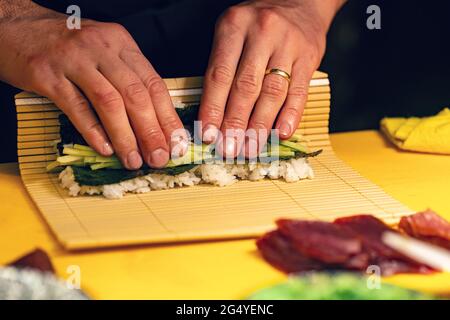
[(259, 124), (92, 128), (87, 34), (110, 101), (221, 75), (235, 121), (36, 65), (78, 105), (232, 18), (274, 87), (60, 88), (267, 18), (170, 122), (124, 143), (152, 135), (212, 111), (136, 93), (247, 82), (292, 111), (298, 91), (156, 86), (117, 27)]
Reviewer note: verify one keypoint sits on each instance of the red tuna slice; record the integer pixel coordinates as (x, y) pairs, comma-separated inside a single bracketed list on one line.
[(280, 253), (323, 241), (390, 267), (370, 229), (427, 226)]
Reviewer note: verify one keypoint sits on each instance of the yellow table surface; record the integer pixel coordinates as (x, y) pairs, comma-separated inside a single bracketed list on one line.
[(226, 269)]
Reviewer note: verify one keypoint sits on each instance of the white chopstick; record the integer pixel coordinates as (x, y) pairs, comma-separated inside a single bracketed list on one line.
[(431, 255)]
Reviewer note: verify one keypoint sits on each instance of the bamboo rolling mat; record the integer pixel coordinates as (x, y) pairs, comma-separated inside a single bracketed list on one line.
[(202, 212)]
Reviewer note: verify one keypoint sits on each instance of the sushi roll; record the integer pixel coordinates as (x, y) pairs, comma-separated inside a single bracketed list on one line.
[(82, 171)]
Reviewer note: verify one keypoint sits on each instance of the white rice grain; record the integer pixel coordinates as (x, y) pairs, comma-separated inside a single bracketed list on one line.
[(214, 173)]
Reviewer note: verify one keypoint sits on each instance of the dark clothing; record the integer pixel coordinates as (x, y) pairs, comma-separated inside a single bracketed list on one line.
[(401, 69), (175, 35)]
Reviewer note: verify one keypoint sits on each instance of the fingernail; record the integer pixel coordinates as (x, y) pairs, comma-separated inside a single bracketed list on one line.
[(179, 148), (134, 160), (107, 149), (285, 129), (158, 158), (178, 145), (210, 134), (230, 147)]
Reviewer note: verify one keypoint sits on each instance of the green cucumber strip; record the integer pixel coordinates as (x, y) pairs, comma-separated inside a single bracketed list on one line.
[(106, 159), (294, 146), (281, 153), (67, 160), (78, 163), (52, 165), (83, 147), (89, 160), (81, 153), (296, 138), (101, 165)]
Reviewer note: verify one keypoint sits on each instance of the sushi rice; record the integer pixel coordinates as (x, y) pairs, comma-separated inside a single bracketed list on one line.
[(214, 173)]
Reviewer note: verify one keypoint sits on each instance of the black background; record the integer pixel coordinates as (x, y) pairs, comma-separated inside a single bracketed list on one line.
[(402, 69)]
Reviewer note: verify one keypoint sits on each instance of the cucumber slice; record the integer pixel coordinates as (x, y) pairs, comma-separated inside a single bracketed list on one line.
[(89, 160), (52, 165), (106, 159), (294, 146), (81, 153), (296, 138), (67, 160), (102, 165), (82, 147)]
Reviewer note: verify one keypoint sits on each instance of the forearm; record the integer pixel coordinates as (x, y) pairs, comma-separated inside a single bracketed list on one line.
[(10, 9), (327, 9)]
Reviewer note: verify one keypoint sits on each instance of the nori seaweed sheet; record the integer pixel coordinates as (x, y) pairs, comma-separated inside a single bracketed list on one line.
[(69, 133), (86, 176)]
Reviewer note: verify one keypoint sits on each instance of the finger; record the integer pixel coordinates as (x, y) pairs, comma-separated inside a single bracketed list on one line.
[(110, 108), (140, 111), (271, 98), (292, 110), (168, 119), (72, 102), (244, 93), (226, 51)]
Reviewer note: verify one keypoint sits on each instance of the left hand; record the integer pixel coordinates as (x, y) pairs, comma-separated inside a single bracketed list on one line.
[(250, 38)]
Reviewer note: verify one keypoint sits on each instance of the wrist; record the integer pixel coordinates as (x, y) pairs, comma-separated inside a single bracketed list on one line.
[(327, 10), (11, 10)]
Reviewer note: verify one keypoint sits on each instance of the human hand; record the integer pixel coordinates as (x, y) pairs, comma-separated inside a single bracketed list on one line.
[(250, 38), (97, 68)]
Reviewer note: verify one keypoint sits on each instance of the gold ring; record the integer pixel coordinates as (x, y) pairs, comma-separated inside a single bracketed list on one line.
[(279, 72)]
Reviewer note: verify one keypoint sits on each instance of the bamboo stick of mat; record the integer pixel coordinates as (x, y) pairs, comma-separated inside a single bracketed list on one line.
[(245, 209)]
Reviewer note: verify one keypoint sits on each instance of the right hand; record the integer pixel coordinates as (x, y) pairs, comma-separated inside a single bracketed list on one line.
[(101, 66)]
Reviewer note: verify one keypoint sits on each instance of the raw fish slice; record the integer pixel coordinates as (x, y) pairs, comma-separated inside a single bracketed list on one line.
[(370, 230), (280, 253), (326, 242), (427, 226)]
